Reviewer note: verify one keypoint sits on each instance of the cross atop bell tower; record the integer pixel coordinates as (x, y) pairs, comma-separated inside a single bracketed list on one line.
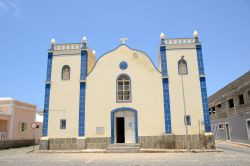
[(123, 39)]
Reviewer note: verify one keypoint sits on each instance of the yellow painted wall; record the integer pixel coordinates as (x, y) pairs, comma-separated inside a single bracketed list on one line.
[(91, 60), (147, 95), (191, 90), (64, 95)]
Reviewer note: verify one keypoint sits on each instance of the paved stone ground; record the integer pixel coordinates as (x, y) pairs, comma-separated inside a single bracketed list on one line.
[(234, 155)]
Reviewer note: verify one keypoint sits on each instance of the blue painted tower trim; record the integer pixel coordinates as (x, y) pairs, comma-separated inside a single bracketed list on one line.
[(167, 114), (49, 66), (84, 67), (200, 59), (47, 96), (46, 110), (165, 85), (81, 128), (113, 123), (84, 64), (205, 104), (203, 88), (164, 69)]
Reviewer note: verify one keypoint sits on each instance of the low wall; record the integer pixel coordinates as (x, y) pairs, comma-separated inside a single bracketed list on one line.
[(5, 144), (62, 143), (146, 142), (177, 142), (97, 142)]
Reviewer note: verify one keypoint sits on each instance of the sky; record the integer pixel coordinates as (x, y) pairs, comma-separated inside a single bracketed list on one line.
[(27, 26)]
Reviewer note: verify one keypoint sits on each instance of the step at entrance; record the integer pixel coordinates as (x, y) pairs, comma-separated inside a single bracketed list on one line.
[(123, 148)]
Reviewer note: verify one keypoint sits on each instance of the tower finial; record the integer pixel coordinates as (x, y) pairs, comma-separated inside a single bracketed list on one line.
[(162, 36), (195, 34), (84, 39), (52, 41)]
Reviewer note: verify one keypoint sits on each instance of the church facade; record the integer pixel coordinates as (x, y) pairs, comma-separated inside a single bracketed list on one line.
[(123, 98)]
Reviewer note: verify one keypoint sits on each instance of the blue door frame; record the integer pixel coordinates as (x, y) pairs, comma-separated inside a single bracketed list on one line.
[(113, 123)]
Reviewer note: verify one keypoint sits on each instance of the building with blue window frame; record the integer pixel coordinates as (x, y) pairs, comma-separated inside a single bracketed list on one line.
[(122, 98)]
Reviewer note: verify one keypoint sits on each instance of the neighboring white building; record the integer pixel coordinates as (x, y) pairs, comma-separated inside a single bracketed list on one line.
[(123, 98)]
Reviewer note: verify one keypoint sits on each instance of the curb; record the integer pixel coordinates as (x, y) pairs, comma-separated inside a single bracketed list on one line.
[(241, 144), (235, 143), (179, 150), (141, 151)]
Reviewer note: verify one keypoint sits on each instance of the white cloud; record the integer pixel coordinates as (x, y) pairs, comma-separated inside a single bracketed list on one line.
[(10, 7)]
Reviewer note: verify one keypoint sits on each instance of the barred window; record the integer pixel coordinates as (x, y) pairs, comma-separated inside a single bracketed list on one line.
[(182, 66), (66, 72), (123, 88)]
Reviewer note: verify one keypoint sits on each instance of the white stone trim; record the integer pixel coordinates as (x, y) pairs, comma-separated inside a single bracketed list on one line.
[(180, 41), (10, 129), (208, 133), (228, 129), (248, 130), (73, 46), (17, 106), (222, 127), (44, 138), (30, 109)]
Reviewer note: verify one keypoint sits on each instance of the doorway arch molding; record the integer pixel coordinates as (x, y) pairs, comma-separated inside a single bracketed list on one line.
[(113, 123)]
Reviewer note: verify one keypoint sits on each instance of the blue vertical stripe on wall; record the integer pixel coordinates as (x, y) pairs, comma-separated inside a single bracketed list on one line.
[(203, 88), (46, 110), (200, 59), (81, 130), (167, 114), (49, 65), (205, 104), (84, 67), (164, 69), (84, 60), (47, 94)]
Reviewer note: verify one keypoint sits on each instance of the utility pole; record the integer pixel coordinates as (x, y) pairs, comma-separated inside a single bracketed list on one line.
[(184, 106)]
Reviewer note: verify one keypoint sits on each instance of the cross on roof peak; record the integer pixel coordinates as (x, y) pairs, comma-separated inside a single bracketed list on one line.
[(123, 39)]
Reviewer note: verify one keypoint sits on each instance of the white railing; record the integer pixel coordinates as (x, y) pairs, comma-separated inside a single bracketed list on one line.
[(3, 135), (180, 41), (67, 46)]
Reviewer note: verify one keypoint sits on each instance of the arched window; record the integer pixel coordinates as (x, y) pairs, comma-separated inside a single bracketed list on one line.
[(123, 88), (182, 66), (66, 72)]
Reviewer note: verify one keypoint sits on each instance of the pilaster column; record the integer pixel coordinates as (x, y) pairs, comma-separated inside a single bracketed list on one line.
[(83, 75), (47, 90), (165, 85), (202, 83)]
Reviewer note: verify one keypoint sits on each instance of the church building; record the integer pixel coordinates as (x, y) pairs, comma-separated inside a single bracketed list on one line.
[(123, 99)]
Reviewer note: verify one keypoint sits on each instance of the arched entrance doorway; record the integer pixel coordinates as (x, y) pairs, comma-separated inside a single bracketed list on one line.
[(124, 125)]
